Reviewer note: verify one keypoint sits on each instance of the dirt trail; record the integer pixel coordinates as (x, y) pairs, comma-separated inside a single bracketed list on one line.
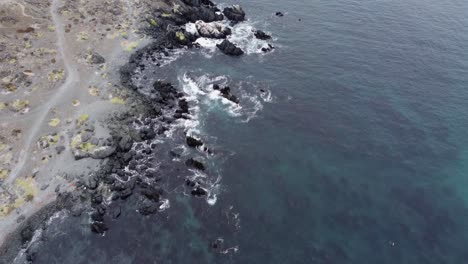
[(72, 78)]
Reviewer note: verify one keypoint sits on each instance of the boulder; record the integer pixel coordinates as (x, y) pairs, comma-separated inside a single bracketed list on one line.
[(279, 14), (193, 142), (102, 152), (234, 13), (212, 30), (229, 48), (261, 35)]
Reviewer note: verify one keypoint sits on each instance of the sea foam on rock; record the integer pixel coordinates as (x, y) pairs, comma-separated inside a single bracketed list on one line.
[(214, 30), (229, 48)]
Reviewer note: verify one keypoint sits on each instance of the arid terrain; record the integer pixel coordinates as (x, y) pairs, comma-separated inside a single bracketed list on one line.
[(59, 81)]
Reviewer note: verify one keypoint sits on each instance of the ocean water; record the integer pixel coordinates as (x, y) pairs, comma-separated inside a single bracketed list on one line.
[(349, 145)]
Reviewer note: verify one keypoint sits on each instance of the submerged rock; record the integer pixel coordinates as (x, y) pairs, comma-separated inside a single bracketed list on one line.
[(212, 30), (99, 227), (234, 13), (279, 14), (229, 48)]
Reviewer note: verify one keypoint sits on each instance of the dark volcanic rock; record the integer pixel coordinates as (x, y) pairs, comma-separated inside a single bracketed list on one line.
[(148, 207), (226, 93), (195, 164), (99, 227), (234, 13), (261, 35), (229, 48), (153, 193), (193, 142), (279, 14), (268, 48), (199, 191)]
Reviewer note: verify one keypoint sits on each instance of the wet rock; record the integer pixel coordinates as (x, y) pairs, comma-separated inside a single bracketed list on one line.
[(125, 144), (193, 142), (268, 48), (192, 162), (279, 14), (102, 152), (148, 207), (226, 93), (229, 48), (99, 227), (125, 193), (192, 2), (27, 234), (234, 13), (115, 211), (261, 35), (95, 216), (153, 193), (212, 30), (199, 191)]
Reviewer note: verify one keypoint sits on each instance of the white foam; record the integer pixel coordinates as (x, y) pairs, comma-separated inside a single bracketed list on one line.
[(191, 28), (165, 205), (243, 36)]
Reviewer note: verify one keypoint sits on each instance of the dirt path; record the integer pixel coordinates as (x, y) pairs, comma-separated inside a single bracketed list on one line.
[(72, 78)]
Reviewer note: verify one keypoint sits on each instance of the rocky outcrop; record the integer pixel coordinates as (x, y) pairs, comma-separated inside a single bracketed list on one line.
[(212, 30), (226, 93), (229, 48), (261, 35), (234, 13)]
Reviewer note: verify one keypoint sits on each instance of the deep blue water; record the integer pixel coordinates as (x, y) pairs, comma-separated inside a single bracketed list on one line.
[(361, 156)]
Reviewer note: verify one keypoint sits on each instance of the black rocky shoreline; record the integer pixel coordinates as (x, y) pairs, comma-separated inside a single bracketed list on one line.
[(130, 169)]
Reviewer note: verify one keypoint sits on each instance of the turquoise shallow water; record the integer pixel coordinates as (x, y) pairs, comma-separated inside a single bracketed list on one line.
[(361, 157)]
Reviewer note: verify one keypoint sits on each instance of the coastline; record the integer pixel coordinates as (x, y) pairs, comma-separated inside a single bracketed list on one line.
[(131, 130)]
